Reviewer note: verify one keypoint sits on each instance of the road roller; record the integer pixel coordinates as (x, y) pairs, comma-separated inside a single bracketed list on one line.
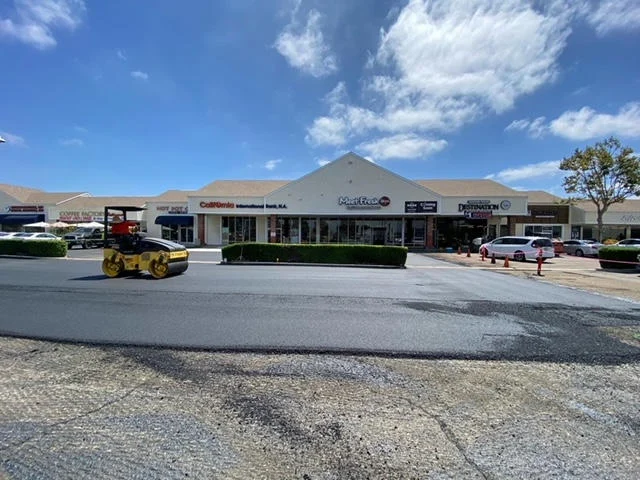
[(128, 251)]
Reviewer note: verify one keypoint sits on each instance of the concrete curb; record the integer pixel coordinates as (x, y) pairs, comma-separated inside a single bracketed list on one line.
[(24, 257), (295, 264)]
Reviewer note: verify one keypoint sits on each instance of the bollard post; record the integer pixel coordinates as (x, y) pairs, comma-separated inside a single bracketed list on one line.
[(539, 266), (459, 250), (468, 252), (483, 253), (493, 259), (506, 261)]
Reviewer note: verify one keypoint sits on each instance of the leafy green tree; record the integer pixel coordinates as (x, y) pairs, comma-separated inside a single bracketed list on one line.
[(606, 173)]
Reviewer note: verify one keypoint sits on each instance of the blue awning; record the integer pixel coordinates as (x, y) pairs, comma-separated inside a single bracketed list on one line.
[(183, 220), (21, 219)]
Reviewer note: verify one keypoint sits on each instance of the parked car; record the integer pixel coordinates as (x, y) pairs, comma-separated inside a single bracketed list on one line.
[(476, 243), (581, 248), (520, 248), (558, 246), (37, 236), (629, 242), (85, 237), (5, 235)]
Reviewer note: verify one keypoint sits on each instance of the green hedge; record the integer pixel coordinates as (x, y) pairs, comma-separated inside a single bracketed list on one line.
[(619, 254), (34, 248), (342, 254)]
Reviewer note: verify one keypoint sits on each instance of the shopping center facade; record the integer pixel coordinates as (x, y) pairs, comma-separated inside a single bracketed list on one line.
[(350, 200)]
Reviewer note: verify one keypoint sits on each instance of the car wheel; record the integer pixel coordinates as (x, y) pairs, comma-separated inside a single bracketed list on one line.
[(579, 253), (519, 256)]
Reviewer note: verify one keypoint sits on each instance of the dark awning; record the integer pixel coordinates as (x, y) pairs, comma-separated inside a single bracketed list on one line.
[(21, 219), (185, 220)]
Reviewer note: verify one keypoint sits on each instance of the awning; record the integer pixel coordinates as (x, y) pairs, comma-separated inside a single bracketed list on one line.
[(184, 220), (21, 219)]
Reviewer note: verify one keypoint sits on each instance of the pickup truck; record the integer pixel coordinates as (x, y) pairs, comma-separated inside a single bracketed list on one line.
[(85, 237)]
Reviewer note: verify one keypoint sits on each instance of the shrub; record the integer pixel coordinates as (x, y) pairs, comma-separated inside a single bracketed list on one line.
[(618, 254), (34, 248), (341, 254)]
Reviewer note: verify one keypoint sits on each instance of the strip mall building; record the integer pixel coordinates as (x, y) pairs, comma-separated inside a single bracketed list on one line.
[(349, 200)]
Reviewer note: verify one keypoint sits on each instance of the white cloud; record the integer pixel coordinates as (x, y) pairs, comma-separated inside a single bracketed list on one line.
[(525, 172), (137, 74), (444, 64), (401, 146), (271, 164), (71, 142), (304, 46), (535, 128), (322, 161), (327, 131), (80, 129), (121, 55), (13, 139), (586, 123), (614, 15), (34, 21)]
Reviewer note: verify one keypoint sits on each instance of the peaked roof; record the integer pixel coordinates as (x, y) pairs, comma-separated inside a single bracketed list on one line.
[(48, 198), (81, 203), (542, 197), (172, 196), (471, 187), (18, 192), (240, 188)]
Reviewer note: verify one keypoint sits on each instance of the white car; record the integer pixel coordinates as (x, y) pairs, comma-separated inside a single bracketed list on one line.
[(629, 242), (519, 248), (581, 248), (5, 235), (37, 236)]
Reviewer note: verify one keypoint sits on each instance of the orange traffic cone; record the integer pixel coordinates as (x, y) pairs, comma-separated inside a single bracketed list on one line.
[(483, 253), (506, 261), (468, 252), (459, 250)]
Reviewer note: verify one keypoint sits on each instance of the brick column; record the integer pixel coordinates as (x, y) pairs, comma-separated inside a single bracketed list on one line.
[(431, 227), (201, 226)]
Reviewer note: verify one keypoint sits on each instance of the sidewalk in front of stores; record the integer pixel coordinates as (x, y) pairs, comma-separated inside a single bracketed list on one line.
[(575, 272)]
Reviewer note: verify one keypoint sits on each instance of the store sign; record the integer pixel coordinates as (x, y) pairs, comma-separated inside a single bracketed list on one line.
[(230, 205), (420, 207), (543, 213), (362, 202), (81, 216), (179, 210), (25, 209), (477, 215), (479, 205)]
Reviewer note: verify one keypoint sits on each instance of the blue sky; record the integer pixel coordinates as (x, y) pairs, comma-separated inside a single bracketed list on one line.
[(126, 98)]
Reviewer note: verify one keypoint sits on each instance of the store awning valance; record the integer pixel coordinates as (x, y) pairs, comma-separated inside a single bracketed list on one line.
[(21, 219), (184, 220)]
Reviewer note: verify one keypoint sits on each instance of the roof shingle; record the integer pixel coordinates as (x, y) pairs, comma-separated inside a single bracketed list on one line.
[(472, 187), (240, 188)]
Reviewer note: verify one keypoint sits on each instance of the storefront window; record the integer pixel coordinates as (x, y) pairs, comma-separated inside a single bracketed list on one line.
[(178, 233), (308, 230), (238, 229), (549, 231)]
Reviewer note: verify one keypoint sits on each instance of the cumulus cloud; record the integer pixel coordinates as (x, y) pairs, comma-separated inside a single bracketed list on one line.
[(401, 146), (138, 75), (535, 128), (304, 47), (13, 139), (34, 21), (322, 161), (525, 172), (443, 64), (614, 15), (71, 142), (586, 123), (271, 164), (121, 55)]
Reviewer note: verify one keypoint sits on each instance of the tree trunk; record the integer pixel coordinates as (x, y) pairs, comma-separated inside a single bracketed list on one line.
[(599, 220)]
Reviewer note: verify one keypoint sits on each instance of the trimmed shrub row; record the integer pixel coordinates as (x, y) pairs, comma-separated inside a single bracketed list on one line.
[(619, 254), (34, 248), (341, 254)]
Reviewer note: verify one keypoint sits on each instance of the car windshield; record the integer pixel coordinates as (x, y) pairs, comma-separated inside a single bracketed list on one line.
[(319, 239)]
